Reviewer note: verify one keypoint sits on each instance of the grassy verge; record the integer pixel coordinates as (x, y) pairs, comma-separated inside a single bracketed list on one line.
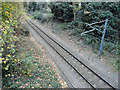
[(34, 70)]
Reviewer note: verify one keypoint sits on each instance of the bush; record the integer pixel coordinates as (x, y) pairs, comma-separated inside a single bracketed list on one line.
[(11, 16), (62, 11), (101, 11), (90, 13), (22, 29), (9, 37), (41, 11)]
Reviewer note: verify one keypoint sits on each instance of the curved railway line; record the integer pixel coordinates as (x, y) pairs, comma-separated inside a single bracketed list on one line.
[(93, 79)]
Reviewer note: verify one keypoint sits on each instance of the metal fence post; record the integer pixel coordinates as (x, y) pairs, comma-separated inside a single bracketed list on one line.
[(103, 36)]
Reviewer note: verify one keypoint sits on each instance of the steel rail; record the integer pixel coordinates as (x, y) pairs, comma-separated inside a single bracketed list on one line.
[(57, 65), (55, 62), (66, 60), (76, 58)]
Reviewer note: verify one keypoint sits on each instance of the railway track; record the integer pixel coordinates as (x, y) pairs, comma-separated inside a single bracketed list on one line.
[(92, 78)]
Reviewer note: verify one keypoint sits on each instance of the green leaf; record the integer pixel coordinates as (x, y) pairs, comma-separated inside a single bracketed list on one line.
[(5, 32), (6, 68)]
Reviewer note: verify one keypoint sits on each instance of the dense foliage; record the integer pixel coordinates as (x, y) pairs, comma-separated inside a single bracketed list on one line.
[(101, 11), (39, 10), (9, 23), (90, 13), (11, 20), (62, 11)]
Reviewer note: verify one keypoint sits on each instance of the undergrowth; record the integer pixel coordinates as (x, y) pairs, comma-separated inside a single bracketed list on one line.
[(33, 70)]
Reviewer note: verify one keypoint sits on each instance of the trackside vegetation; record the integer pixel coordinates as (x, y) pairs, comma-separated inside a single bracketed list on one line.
[(23, 64), (74, 16), (12, 13)]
